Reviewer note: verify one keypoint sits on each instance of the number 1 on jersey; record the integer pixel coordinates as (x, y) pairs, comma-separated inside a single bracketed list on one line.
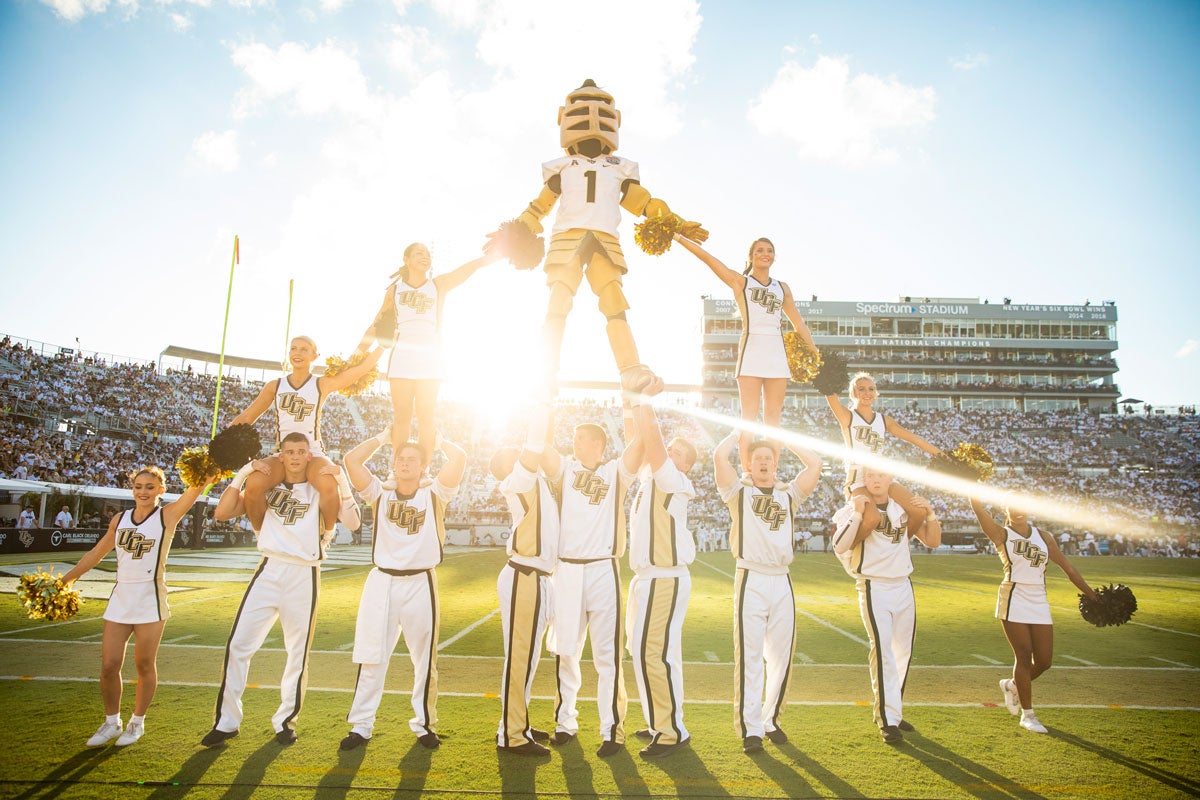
[(591, 185)]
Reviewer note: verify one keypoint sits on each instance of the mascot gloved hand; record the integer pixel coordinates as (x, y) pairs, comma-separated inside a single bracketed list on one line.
[(591, 185)]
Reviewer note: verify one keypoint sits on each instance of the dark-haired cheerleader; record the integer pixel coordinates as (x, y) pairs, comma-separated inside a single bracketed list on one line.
[(1021, 605)]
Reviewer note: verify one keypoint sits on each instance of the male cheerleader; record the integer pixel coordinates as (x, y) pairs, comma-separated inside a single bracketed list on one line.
[(400, 593), (761, 518), (285, 587), (524, 583), (879, 561), (660, 549), (587, 582), (298, 399)]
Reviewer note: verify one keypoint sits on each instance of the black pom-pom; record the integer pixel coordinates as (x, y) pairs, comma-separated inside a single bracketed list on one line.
[(833, 376), (233, 447), (516, 242), (1115, 606)]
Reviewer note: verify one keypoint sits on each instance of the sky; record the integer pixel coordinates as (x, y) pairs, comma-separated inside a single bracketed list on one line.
[(1039, 151)]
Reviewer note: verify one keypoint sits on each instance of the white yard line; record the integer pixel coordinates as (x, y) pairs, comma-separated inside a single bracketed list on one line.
[(493, 696), (447, 642), (179, 639), (987, 660), (711, 656), (341, 651), (1169, 661), (1083, 661)]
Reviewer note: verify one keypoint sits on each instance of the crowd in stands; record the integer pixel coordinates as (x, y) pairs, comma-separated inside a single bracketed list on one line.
[(83, 421)]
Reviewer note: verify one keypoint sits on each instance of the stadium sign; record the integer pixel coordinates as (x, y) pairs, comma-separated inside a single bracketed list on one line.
[(935, 308), (48, 541)]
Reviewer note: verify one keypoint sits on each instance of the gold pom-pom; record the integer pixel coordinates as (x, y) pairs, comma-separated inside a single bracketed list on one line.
[(516, 242), (979, 459), (43, 596), (335, 365), (967, 461), (655, 234), (196, 467), (803, 361)]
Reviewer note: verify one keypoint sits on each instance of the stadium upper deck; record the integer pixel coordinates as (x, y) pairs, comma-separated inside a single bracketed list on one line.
[(945, 352)]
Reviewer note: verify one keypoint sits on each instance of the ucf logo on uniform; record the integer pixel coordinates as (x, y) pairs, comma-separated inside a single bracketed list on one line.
[(288, 508), (588, 484), (417, 301), (1031, 551), (766, 509), (402, 515), (887, 529), (295, 405), (129, 540), (766, 299), (869, 437)]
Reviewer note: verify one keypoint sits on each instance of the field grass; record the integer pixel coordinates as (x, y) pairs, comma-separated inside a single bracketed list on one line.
[(1122, 704)]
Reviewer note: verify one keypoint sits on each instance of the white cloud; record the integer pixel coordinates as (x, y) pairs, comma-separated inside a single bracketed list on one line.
[(333, 6), (181, 22), (814, 39), (217, 152), (969, 62), (413, 52), (75, 10), (319, 80), (830, 116), (1189, 347)]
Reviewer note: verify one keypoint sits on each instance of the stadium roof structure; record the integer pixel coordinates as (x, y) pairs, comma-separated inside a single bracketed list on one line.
[(241, 362), (102, 492)]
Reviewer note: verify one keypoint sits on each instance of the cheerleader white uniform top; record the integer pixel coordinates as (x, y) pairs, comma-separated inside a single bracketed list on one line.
[(298, 410), (760, 350)]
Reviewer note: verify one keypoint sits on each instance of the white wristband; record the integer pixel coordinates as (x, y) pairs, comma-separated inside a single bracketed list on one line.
[(240, 478)]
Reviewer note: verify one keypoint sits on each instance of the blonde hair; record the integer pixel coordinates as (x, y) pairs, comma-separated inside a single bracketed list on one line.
[(311, 342), (148, 470), (855, 378), (693, 453)]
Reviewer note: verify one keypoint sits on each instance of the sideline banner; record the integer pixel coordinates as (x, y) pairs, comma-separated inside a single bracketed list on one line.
[(48, 540), (54, 540)]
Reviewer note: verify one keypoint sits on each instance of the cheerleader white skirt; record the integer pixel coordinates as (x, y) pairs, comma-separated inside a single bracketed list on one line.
[(763, 356), (1023, 602), (137, 603), (417, 359)]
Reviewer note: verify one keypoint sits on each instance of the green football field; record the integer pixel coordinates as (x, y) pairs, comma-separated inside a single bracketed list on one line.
[(1122, 704)]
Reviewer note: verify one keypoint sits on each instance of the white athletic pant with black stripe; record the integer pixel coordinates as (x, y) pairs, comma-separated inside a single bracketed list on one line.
[(524, 614), (889, 613), (279, 590), (600, 617), (658, 603), (764, 629), (412, 610)]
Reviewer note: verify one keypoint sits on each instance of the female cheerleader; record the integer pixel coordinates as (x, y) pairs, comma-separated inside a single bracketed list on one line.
[(1021, 605), (138, 604), (762, 368), (298, 399), (415, 369), (863, 430)]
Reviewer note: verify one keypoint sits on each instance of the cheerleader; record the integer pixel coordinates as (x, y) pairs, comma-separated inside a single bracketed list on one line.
[(1021, 605), (762, 367), (411, 314), (863, 431), (138, 604), (298, 399)]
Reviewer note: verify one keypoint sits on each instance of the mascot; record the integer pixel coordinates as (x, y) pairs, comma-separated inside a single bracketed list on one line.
[(591, 185)]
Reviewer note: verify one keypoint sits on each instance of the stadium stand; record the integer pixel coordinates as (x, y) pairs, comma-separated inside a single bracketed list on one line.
[(88, 421)]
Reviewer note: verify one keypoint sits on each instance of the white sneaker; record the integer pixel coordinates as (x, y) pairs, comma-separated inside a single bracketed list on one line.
[(132, 733), (105, 734), (1030, 723), (1012, 701)]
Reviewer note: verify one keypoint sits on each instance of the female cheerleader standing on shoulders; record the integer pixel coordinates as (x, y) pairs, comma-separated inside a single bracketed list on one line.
[(1021, 605), (416, 368), (762, 367), (138, 605)]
